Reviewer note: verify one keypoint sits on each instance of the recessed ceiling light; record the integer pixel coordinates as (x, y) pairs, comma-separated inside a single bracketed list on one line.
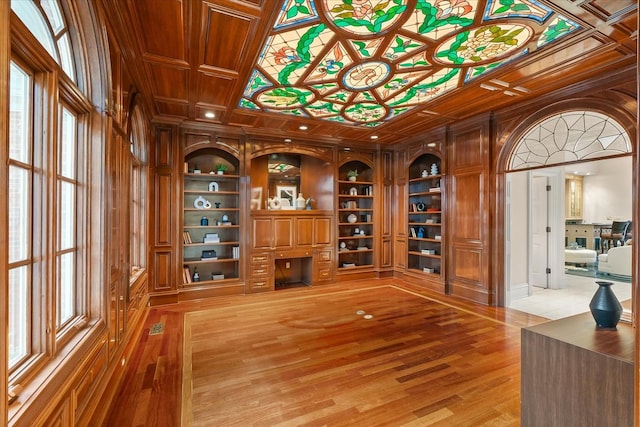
[(488, 87), (287, 140), (499, 82), (209, 115), (303, 127), (374, 136), (347, 149), (431, 144)]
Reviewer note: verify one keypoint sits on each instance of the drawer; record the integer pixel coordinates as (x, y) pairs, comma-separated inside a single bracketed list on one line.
[(260, 259), (325, 256), (324, 273), (300, 253)]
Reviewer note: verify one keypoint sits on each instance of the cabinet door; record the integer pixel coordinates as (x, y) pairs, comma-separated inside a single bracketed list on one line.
[(261, 233), (323, 231), (283, 232), (304, 232)]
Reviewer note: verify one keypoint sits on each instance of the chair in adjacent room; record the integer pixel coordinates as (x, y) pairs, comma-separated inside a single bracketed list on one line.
[(609, 237)]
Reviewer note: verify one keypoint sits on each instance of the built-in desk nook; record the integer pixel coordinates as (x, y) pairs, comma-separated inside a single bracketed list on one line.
[(576, 375), (293, 246)]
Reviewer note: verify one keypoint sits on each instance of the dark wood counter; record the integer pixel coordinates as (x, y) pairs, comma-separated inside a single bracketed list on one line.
[(574, 374)]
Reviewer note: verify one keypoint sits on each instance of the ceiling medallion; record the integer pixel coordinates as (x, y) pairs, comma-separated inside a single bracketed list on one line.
[(366, 75), (483, 44)]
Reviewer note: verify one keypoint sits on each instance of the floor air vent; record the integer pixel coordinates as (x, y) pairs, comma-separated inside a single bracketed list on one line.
[(156, 329)]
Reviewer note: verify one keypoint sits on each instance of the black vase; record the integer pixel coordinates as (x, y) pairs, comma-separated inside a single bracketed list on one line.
[(605, 307)]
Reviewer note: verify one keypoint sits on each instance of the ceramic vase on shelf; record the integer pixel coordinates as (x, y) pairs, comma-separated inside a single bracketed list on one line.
[(300, 202), (605, 307)]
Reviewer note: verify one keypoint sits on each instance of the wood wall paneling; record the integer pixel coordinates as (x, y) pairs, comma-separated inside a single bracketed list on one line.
[(283, 233), (386, 253), (163, 148), (163, 261), (466, 213), (304, 232), (400, 254), (261, 233), (323, 231), (163, 213)]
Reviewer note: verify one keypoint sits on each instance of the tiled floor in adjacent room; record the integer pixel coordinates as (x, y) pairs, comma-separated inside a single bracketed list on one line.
[(573, 299)]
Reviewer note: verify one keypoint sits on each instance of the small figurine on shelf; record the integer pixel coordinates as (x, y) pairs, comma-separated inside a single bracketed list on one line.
[(204, 221), (434, 169), (425, 173), (196, 276), (352, 175), (196, 169), (308, 203), (420, 233), (217, 205)]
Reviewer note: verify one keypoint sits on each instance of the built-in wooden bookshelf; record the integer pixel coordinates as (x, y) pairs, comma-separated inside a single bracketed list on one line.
[(425, 219), (211, 220), (355, 217)]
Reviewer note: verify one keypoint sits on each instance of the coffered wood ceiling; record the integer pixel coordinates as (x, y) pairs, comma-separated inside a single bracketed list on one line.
[(195, 56)]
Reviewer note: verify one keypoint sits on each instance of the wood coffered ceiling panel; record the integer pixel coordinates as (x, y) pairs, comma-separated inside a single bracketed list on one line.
[(351, 69), (161, 29), (224, 39), (214, 90), (169, 82)]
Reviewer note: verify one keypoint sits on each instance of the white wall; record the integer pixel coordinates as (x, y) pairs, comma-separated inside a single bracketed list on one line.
[(518, 234), (607, 193)]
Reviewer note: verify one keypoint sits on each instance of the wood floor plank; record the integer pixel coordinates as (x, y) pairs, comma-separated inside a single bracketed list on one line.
[(310, 357)]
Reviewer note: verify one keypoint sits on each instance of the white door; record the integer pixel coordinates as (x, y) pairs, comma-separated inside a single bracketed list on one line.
[(539, 231)]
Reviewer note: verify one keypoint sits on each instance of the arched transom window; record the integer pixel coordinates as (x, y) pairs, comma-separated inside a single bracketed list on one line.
[(45, 20), (569, 137)]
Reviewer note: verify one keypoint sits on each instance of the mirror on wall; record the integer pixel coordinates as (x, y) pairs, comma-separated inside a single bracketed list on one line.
[(284, 179), (289, 178)]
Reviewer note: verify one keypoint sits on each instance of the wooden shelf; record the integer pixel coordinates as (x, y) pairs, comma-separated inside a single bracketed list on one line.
[(211, 226), (425, 178), (213, 193), (424, 255), (209, 176), (212, 244), (212, 261)]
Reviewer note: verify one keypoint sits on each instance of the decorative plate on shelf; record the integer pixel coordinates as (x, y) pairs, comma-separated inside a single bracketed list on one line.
[(352, 218)]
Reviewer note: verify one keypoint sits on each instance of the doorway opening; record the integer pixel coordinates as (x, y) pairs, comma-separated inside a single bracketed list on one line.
[(558, 199)]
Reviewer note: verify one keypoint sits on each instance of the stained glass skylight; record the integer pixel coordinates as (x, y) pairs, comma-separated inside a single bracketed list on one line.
[(363, 62)]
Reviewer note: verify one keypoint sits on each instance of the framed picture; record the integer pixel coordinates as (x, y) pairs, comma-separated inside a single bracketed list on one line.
[(287, 195)]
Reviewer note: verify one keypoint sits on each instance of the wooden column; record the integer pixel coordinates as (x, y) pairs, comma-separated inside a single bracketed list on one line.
[(468, 212), (164, 157)]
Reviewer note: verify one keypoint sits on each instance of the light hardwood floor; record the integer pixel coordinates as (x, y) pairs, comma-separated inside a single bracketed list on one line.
[(309, 356)]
